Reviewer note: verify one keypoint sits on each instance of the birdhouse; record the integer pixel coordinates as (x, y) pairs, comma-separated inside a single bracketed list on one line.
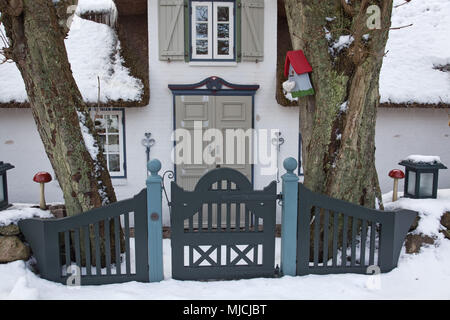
[(297, 69)]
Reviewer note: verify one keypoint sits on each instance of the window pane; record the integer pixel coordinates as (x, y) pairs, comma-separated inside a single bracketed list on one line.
[(202, 46), (223, 30), (113, 123), (412, 182), (114, 162), (201, 13), (223, 14), (202, 30), (426, 184), (223, 47), (2, 198), (113, 143)]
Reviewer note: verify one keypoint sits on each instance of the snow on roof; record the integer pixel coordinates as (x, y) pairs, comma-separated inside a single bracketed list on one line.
[(298, 61), (85, 6), (94, 51), (409, 73)]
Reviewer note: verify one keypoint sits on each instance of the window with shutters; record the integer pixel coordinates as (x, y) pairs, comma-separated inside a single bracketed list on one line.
[(212, 32)]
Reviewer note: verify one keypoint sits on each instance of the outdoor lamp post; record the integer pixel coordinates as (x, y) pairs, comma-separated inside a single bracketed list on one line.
[(3, 185), (421, 178)]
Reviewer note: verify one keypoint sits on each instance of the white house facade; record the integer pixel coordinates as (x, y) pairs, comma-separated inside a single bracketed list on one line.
[(221, 85)]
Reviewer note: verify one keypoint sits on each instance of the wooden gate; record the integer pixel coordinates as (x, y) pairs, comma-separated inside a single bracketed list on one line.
[(222, 247)]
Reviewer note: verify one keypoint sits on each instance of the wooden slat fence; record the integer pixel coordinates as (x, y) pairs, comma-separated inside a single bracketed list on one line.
[(96, 243)]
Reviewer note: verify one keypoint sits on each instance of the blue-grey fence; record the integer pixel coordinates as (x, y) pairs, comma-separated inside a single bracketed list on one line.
[(97, 247), (221, 217), (91, 241)]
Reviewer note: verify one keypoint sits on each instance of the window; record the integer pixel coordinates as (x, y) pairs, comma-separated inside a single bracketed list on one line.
[(212, 30), (110, 127)]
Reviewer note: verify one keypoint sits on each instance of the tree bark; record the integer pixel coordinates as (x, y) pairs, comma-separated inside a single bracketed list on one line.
[(36, 30), (338, 123)]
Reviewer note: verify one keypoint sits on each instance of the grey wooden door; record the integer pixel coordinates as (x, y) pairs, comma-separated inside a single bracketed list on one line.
[(222, 113), (191, 109)]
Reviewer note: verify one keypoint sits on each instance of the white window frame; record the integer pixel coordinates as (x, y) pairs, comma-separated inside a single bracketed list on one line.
[(212, 30), (194, 22), (119, 113), (230, 6)]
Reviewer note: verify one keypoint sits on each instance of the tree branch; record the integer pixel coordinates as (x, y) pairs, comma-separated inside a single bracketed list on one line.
[(397, 28), (402, 4)]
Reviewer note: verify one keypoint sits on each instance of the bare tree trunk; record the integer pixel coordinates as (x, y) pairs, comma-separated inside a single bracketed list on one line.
[(36, 29), (338, 123)]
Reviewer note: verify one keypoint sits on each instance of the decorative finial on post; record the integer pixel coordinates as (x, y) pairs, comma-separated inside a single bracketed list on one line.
[(290, 164), (154, 166)]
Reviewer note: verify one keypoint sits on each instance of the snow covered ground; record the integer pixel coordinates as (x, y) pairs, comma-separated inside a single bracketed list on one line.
[(419, 276), (422, 276)]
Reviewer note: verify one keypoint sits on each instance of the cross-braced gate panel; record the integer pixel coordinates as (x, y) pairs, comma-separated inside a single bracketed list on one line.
[(223, 229)]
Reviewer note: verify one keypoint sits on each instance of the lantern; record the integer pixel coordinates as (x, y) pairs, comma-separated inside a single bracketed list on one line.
[(3, 185), (421, 176)]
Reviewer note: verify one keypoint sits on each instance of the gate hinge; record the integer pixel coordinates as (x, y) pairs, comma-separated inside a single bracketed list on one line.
[(280, 199)]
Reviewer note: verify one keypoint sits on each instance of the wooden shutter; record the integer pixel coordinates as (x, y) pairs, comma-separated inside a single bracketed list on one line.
[(252, 30), (171, 29)]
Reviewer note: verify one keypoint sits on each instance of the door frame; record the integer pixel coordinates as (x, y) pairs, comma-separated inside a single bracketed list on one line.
[(213, 86)]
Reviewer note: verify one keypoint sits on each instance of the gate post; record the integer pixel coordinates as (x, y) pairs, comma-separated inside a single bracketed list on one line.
[(289, 218), (154, 218)]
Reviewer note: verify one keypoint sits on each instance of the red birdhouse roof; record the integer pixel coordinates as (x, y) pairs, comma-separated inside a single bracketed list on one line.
[(298, 61)]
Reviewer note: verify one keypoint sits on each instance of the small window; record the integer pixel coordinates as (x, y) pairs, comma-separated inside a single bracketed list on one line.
[(212, 30), (110, 127)]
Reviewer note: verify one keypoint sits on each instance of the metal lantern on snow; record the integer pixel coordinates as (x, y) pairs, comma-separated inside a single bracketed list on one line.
[(421, 176), (3, 185), (297, 69)]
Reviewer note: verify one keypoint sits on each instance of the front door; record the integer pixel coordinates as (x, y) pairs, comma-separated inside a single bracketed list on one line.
[(215, 112)]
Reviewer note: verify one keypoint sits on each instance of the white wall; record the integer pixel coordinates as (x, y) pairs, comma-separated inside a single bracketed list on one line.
[(21, 146), (402, 132)]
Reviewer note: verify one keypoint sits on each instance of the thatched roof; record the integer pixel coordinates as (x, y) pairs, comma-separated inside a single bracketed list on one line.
[(117, 52), (415, 70)]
